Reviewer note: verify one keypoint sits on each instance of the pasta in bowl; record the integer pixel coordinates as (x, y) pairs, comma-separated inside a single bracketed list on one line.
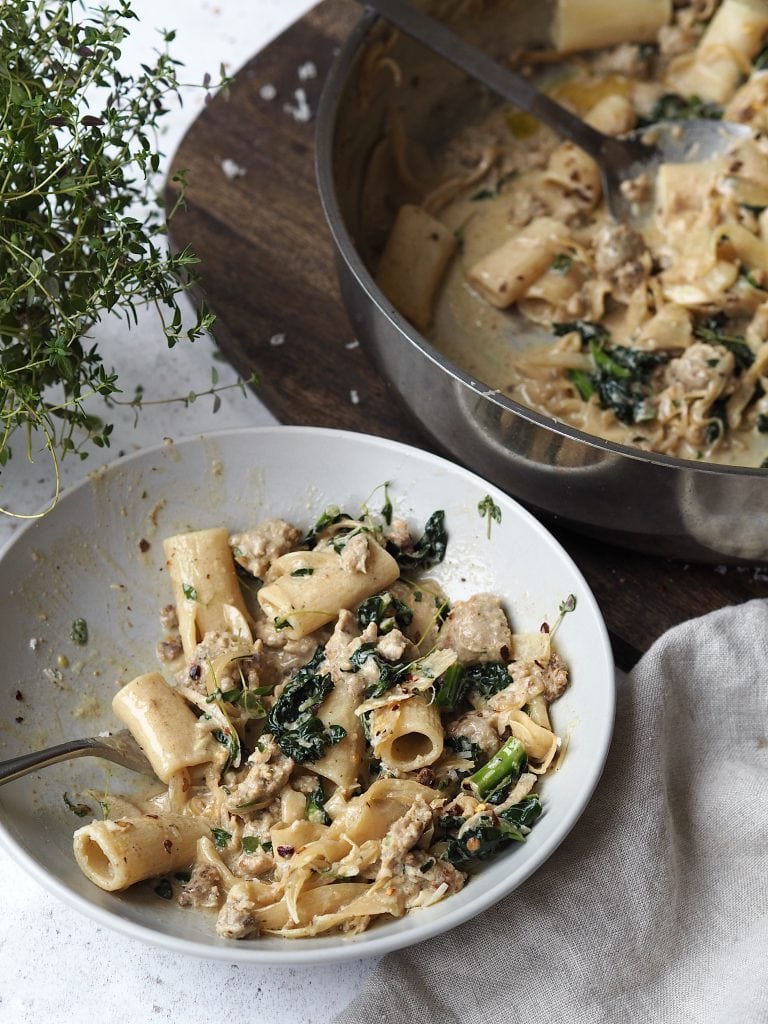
[(318, 776)]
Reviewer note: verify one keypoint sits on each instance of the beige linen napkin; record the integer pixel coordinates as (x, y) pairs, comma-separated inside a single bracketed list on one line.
[(654, 907)]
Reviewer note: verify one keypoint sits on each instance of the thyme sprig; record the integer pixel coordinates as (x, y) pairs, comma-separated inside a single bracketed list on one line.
[(81, 232)]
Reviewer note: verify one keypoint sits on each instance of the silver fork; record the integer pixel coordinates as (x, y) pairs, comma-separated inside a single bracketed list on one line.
[(121, 748)]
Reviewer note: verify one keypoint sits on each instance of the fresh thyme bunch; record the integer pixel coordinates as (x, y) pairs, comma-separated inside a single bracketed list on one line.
[(81, 230)]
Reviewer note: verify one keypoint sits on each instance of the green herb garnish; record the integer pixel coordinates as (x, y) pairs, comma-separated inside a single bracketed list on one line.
[(81, 234), (81, 810), (490, 510), (221, 837), (565, 607), (316, 807), (189, 591), (78, 634), (164, 889)]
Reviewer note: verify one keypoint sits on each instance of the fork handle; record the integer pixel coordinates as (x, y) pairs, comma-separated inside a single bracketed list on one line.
[(15, 767), (513, 87)]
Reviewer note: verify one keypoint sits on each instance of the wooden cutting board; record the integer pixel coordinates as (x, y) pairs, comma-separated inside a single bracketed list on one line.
[(253, 216)]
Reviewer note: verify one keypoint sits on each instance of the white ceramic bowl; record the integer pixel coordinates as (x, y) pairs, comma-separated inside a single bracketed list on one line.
[(85, 560)]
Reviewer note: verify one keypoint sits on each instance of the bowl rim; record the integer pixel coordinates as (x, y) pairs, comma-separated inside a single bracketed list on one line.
[(304, 952), (325, 134)]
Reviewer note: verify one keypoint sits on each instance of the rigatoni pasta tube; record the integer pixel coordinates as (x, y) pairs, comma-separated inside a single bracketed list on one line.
[(300, 604), (205, 586), (577, 174), (407, 736), (163, 725), (413, 263), (341, 762), (589, 24), (725, 52), (508, 271), (117, 854)]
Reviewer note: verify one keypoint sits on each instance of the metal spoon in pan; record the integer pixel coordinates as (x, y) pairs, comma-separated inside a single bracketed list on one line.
[(619, 159)]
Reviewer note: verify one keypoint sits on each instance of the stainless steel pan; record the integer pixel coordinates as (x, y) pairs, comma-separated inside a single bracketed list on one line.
[(673, 507)]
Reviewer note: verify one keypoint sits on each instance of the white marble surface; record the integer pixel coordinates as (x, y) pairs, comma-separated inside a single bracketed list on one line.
[(55, 964)]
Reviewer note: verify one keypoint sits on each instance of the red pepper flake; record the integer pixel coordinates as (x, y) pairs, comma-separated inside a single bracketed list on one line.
[(167, 845), (544, 627), (285, 851), (144, 546)]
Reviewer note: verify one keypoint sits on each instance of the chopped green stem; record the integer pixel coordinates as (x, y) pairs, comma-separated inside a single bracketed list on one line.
[(451, 688), (505, 766)]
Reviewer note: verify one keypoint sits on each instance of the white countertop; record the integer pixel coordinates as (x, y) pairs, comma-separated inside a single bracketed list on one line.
[(54, 963)]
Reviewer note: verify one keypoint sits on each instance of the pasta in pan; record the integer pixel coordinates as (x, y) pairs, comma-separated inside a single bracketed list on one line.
[(316, 780), (660, 329)]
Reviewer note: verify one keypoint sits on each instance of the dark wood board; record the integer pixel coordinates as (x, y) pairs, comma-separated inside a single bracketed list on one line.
[(268, 270)]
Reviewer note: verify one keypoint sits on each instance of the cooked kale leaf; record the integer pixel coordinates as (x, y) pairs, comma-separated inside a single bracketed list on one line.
[(428, 550), (465, 748), (525, 814), (487, 677), (450, 822), (491, 834), (386, 611), (480, 842), (621, 375), (292, 721), (711, 330), (389, 671), (451, 688), (718, 421), (588, 330), (316, 811), (672, 107), (332, 515)]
